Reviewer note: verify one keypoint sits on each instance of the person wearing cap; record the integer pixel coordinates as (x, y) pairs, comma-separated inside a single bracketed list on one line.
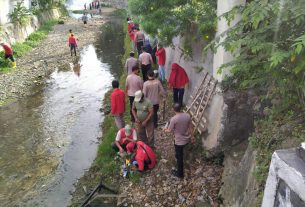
[(118, 104), (181, 126), (161, 61), (8, 53), (123, 137), (133, 84), (145, 61), (143, 111), (143, 155), (152, 90), (130, 63)]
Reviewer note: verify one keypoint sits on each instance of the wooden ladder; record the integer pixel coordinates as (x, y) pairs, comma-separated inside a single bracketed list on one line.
[(200, 102)]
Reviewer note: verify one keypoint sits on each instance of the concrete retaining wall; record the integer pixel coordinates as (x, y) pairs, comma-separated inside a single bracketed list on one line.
[(7, 6), (12, 33), (285, 185)]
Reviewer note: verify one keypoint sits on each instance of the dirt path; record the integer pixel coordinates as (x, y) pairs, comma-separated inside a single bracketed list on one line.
[(52, 53), (158, 187)]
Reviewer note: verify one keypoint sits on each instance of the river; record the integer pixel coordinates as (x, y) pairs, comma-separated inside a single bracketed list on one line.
[(49, 139)]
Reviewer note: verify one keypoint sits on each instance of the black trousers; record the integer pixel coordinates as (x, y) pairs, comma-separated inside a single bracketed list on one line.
[(139, 46), (131, 99), (179, 158), (73, 47), (145, 69), (178, 95), (155, 116), (9, 57)]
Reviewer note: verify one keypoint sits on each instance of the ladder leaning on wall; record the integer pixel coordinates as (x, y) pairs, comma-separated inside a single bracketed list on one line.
[(200, 101)]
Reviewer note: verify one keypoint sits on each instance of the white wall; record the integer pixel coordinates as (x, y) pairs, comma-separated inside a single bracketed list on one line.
[(7, 6), (221, 55)]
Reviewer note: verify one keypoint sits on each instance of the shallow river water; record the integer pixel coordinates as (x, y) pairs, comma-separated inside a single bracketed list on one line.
[(49, 139)]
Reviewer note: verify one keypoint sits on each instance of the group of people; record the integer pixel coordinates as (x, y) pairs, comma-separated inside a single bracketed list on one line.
[(144, 97), (93, 5)]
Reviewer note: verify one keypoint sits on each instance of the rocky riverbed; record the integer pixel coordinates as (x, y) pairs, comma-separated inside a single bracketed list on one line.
[(53, 53)]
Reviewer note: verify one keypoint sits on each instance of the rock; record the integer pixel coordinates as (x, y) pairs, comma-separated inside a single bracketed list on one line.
[(181, 198)]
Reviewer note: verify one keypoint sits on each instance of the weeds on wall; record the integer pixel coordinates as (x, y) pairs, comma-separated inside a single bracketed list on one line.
[(269, 48), (20, 15)]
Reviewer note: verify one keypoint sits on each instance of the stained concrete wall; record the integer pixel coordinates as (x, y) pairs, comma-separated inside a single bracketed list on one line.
[(285, 185), (221, 55), (14, 33), (7, 6)]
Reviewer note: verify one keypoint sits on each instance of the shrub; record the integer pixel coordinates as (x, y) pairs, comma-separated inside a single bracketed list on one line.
[(20, 14)]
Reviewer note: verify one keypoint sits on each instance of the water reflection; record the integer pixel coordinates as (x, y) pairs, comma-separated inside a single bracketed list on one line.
[(49, 139)]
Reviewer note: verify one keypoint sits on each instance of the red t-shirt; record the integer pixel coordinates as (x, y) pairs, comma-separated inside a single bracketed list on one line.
[(7, 49), (72, 40), (161, 56), (117, 101)]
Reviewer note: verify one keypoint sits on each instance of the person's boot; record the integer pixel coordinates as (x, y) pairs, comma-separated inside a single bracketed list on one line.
[(14, 64)]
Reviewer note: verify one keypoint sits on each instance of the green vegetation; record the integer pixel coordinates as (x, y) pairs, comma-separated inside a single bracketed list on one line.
[(278, 130), (167, 19), (33, 40), (20, 14), (269, 49), (105, 162)]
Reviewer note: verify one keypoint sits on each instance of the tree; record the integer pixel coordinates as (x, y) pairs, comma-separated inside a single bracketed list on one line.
[(167, 19), (268, 43)]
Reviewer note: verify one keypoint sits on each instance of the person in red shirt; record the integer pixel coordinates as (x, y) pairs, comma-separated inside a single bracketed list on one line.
[(143, 155), (72, 44), (161, 61), (178, 79), (123, 137), (118, 104), (8, 53)]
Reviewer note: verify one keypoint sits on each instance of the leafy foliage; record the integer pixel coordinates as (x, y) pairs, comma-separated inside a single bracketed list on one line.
[(20, 14), (167, 19), (277, 130), (269, 47)]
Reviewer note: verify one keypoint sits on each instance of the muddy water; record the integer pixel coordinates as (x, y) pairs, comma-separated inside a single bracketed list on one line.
[(48, 140)]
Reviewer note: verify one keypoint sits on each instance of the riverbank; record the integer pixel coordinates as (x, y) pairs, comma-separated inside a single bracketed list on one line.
[(157, 187), (52, 53)]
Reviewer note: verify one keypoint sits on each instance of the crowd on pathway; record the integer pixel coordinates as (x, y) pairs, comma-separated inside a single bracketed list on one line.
[(144, 88)]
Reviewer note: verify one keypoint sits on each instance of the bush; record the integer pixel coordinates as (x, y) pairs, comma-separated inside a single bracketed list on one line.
[(21, 49)]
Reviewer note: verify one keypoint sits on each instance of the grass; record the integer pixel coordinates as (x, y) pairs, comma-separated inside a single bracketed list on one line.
[(105, 162), (32, 41)]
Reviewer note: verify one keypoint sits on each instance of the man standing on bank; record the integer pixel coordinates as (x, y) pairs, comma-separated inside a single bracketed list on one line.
[(161, 61), (178, 80), (146, 62), (133, 84), (181, 126), (143, 111), (130, 63), (72, 44), (118, 104), (152, 90)]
